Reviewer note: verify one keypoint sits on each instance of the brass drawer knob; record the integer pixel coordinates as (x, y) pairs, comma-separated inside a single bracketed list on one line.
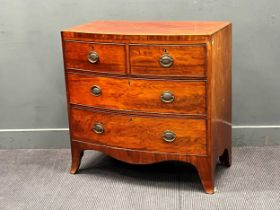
[(169, 136), (166, 61), (167, 97), (98, 128), (95, 90), (93, 57)]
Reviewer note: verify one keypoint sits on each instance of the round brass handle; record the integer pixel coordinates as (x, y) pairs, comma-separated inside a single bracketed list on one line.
[(167, 97), (169, 136), (98, 128), (166, 61), (96, 90), (93, 57)]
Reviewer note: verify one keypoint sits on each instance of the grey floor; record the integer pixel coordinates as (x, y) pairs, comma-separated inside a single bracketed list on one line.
[(39, 179)]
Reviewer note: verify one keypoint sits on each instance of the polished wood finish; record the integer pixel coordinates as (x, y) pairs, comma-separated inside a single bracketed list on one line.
[(189, 60), (140, 132), (202, 162), (144, 31), (130, 108), (111, 57), (138, 94), (221, 95)]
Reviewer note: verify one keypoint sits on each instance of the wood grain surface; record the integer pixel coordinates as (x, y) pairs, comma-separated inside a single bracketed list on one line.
[(221, 94), (111, 57), (189, 60), (200, 162), (132, 81), (138, 132), (144, 31), (137, 94)]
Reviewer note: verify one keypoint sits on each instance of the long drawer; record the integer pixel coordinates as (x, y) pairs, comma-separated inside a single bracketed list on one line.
[(175, 135), (155, 96)]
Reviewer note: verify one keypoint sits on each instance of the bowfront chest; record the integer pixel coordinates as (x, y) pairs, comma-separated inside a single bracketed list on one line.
[(145, 92)]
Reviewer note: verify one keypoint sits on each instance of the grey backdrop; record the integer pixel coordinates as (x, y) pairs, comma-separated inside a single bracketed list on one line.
[(31, 71)]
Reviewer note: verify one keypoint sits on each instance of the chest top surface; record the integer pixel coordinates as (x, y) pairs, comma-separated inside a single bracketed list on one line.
[(144, 29), (150, 27)]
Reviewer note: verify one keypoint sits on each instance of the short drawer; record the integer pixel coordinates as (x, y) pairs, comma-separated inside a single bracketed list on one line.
[(176, 135), (168, 60), (107, 58), (156, 96)]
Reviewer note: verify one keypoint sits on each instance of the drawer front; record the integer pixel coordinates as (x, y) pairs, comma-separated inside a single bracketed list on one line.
[(156, 96), (185, 136), (168, 60), (108, 58)]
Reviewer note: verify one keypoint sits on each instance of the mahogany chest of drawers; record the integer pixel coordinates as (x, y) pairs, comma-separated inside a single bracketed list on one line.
[(145, 92)]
